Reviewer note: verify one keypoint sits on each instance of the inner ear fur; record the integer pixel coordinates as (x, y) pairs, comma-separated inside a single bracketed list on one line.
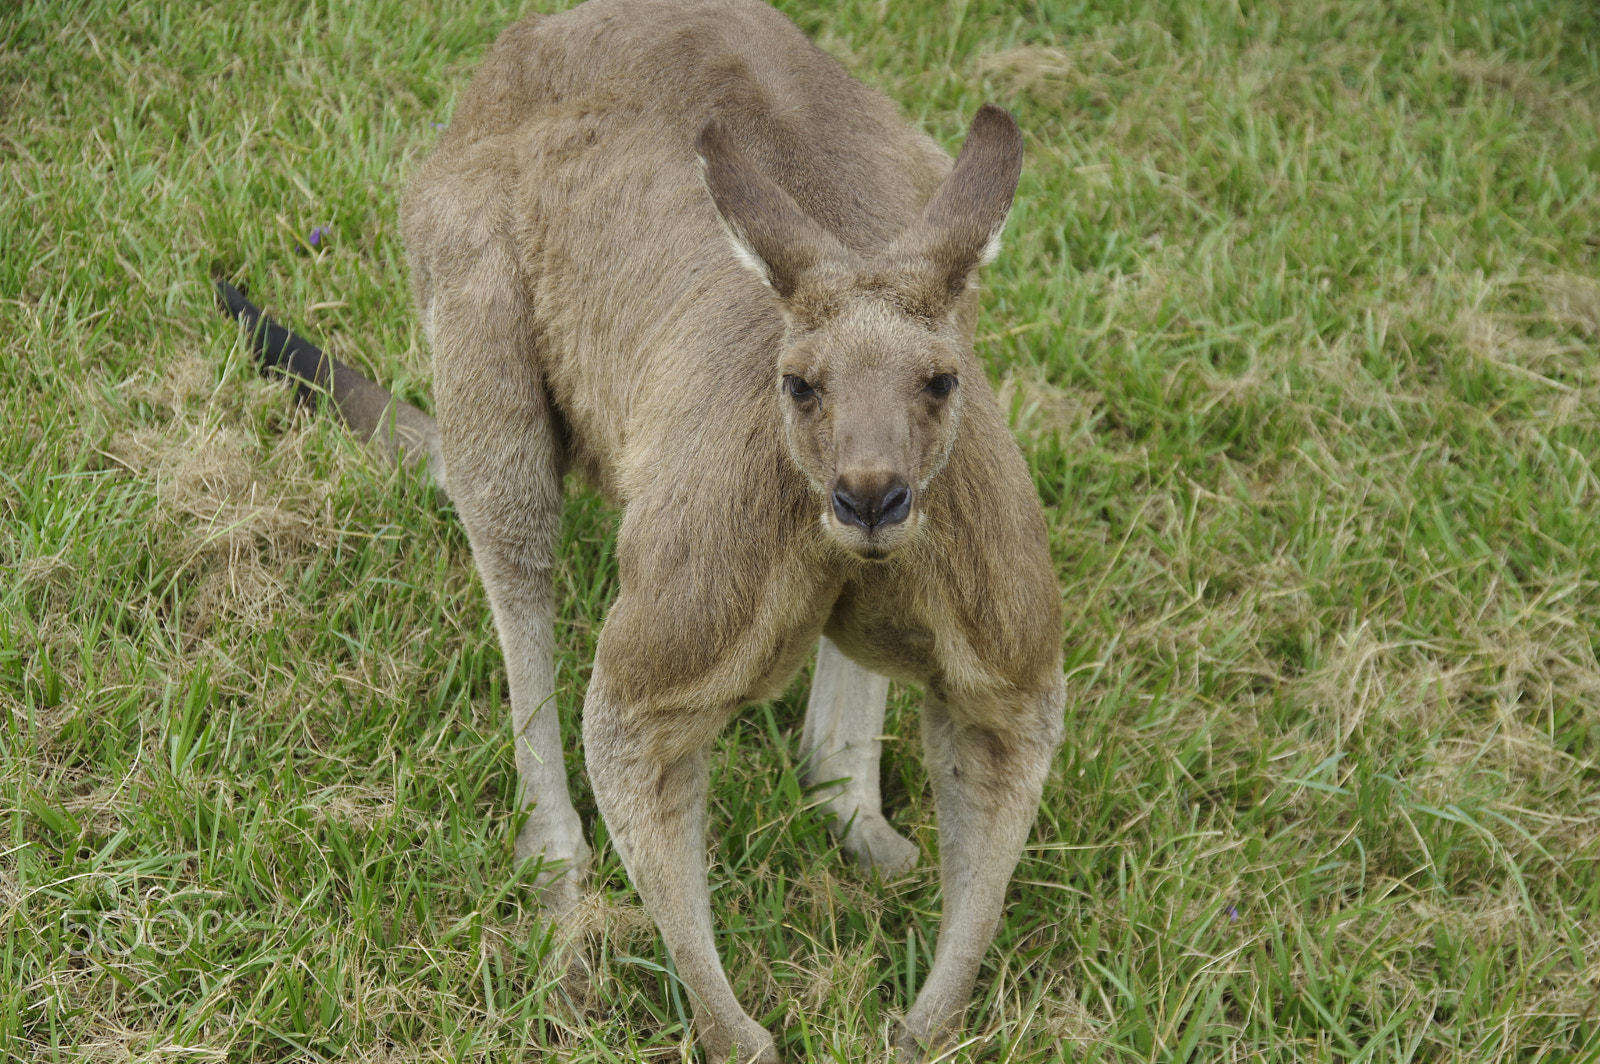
[(769, 232), (960, 227)]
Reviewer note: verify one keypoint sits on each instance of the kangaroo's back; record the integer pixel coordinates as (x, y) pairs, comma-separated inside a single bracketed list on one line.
[(577, 138), (646, 74)]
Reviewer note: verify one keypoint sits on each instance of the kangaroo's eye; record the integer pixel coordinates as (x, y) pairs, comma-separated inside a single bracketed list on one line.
[(941, 385), (798, 388)]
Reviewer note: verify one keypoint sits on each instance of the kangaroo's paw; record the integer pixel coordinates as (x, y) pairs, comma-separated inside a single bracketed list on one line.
[(566, 857), (879, 848), (749, 1043)]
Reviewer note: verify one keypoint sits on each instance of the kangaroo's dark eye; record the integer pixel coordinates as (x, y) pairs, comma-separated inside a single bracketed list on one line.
[(941, 385), (799, 388)]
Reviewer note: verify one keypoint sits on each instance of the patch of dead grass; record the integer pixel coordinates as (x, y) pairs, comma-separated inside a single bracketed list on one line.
[(239, 514), (1524, 83), (1038, 408), (1572, 301)]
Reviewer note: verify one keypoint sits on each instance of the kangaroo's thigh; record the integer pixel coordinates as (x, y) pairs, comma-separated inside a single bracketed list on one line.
[(987, 759), (650, 774), (504, 453), (710, 615), (648, 749), (989, 662)]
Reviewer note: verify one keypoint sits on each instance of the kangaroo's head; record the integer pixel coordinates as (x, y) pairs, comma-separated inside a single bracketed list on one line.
[(876, 357)]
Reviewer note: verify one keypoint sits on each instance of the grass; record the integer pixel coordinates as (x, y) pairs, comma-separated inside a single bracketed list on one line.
[(1297, 319)]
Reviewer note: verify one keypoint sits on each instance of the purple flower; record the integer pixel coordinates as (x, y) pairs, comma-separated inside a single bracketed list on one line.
[(319, 234), (438, 125), (1233, 914)]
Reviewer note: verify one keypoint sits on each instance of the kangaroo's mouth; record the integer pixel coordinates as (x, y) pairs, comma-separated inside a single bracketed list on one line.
[(874, 544)]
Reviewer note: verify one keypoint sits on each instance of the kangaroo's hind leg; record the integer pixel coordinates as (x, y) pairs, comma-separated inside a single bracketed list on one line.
[(504, 452), (844, 720), (987, 764)]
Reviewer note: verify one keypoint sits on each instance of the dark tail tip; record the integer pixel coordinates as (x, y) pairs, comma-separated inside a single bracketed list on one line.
[(279, 351), (233, 301)]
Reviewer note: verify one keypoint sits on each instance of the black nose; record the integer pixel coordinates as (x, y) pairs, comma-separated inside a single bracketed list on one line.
[(870, 503)]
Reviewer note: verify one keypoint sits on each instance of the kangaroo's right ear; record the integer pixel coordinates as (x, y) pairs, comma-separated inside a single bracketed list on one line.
[(770, 234)]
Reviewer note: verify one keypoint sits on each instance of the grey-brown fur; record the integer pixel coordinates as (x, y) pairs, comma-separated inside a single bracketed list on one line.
[(675, 247)]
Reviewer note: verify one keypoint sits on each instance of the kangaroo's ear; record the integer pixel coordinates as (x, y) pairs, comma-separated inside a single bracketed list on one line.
[(769, 232), (961, 225)]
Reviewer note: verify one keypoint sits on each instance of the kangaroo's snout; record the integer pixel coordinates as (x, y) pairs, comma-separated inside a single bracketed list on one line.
[(870, 502)]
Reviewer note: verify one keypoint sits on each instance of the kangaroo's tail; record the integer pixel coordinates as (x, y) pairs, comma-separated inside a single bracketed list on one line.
[(406, 435)]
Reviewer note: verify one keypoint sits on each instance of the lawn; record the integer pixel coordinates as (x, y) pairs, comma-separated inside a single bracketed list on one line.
[(1298, 321)]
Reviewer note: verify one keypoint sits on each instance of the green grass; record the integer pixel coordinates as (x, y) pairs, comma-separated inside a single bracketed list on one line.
[(1298, 321)]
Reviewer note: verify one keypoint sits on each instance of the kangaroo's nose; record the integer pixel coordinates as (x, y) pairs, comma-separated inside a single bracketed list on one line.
[(871, 502)]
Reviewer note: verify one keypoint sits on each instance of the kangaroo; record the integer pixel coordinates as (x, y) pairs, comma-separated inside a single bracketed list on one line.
[(676, 248)]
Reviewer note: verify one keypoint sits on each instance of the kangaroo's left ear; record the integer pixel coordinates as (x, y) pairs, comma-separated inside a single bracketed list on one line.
[(960, 227)]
